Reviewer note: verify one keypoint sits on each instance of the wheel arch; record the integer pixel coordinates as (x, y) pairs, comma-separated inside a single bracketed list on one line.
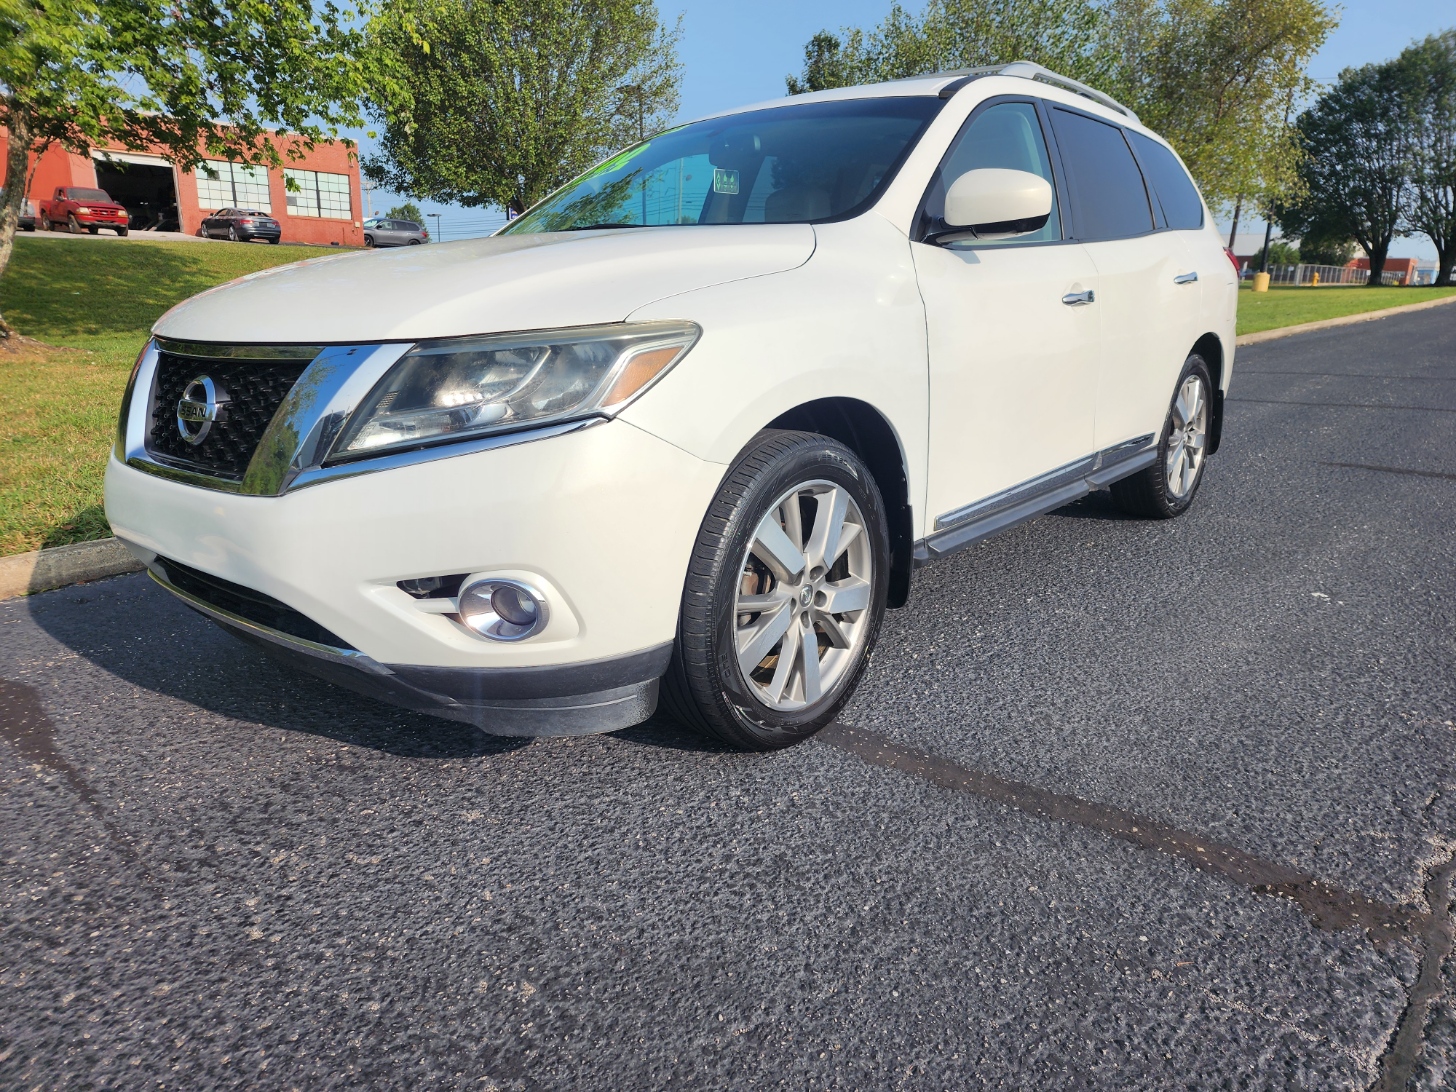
[(1210, 347), (863, 429)]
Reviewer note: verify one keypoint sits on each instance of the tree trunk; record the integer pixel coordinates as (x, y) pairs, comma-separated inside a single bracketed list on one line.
[(17, 174), (1445, 260), (1233, 231), (1377, 263)]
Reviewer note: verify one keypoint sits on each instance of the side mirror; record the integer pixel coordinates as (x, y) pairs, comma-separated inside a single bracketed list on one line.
[(996, 202)]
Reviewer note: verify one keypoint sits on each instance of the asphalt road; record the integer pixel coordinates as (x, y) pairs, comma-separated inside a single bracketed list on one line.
[(1120, 805)]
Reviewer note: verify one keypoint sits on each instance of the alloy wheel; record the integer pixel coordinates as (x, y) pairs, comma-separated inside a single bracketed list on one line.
[(801, 608), (1187, 437)]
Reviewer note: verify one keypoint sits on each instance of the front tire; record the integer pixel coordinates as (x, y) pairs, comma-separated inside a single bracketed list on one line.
[(1166, 489), (72, 224), (784, 594)]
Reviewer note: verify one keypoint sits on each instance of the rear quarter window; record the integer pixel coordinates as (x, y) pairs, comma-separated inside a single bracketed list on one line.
[(1174, 190), (1108, 194)]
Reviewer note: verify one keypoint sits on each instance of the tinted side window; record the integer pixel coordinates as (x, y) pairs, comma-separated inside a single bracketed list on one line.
[(1006, 135), (1107, 186), (1170, 183)]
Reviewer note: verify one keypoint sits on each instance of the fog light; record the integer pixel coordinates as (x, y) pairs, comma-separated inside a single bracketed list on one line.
[(503, 610)]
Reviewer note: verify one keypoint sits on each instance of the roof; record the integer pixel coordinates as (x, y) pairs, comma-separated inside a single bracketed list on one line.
[(944, 85)]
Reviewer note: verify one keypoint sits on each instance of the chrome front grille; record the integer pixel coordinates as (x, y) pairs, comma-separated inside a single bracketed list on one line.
[(254, 387)]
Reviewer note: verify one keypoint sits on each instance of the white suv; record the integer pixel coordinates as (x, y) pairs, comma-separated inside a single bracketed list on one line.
[(689, 425)]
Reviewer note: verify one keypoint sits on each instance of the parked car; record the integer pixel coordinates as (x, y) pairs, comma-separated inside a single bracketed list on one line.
[(26, 222), (240, 226), (689, 425), (82, 208), (383, 231)]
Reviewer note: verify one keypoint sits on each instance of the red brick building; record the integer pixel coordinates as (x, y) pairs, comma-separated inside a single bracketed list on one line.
[(325, 208), (1405, 268)]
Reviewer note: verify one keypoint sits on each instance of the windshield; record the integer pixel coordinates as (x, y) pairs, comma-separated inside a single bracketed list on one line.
[(783, 165), (89, 195)]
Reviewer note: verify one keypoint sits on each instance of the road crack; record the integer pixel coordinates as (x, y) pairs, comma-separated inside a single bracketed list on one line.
[(1328, 906), (1437, 937)]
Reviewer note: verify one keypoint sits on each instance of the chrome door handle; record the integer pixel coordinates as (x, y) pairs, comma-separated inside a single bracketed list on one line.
[(1186, 278), (1077, 299)]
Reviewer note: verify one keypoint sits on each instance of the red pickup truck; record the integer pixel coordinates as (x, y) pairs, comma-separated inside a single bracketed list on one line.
[(78, 208)]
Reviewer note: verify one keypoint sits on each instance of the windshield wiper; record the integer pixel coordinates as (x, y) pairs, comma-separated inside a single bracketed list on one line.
[(594, 227)]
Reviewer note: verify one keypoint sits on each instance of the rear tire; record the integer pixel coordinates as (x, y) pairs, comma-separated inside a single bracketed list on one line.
[(1167, 488), (232, 235), (753, 616), (414, 242)]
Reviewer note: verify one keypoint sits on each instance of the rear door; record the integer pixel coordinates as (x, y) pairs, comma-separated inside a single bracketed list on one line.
[(1148, 293)]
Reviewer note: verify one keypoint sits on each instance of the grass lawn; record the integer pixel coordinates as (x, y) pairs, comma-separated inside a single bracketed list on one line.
[(90, 304), (1290, 306)]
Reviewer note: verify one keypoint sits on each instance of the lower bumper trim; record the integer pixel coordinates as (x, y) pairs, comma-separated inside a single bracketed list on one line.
[(568, 700)]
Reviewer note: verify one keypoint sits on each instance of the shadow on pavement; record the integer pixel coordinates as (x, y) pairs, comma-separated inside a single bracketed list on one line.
[(1098, 505), (132, 629)]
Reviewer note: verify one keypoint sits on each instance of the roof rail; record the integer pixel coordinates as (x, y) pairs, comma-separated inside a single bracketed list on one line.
[(1030, 71)]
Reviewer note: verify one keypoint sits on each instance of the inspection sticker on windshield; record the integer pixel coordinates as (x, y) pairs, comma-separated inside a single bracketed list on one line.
[(725, 181)]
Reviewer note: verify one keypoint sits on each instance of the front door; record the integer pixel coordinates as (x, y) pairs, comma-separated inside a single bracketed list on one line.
[(1014, 331)]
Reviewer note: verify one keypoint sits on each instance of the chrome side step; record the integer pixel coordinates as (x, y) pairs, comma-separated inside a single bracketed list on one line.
[(976, 522)]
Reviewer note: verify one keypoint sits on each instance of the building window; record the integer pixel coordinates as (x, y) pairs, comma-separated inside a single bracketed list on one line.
[(318, 194), (238, 185)]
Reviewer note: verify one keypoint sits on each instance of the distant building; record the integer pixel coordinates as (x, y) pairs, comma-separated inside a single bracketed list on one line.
[(1404, 268), (325, 207)]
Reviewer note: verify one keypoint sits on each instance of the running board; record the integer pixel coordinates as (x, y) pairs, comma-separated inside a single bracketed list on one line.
[(975, 523)]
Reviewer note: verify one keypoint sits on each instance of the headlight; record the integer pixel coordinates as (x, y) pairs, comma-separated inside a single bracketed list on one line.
[(465, 387), (83, 210)]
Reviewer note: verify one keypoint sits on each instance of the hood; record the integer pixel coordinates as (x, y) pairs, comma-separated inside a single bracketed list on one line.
[(509, 282)]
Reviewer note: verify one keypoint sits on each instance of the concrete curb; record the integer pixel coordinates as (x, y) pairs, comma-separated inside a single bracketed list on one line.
[(43, 570), (1343, 320)]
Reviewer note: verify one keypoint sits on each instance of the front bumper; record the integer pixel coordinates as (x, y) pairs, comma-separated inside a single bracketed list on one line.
[(602, 520), (566, 700)]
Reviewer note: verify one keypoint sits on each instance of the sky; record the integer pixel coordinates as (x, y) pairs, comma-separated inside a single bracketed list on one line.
[(736, 52)]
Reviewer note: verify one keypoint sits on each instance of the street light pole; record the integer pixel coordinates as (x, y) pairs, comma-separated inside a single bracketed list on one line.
[(439, 236)]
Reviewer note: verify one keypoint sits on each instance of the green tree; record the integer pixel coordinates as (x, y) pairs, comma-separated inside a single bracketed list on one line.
[(1357, 165), (1316, 249), (499, 102), (1214, 77), (950, 34), (1430, 68), (407, 211), (196, 78)]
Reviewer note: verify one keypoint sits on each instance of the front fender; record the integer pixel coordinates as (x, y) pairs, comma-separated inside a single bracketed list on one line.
[(849, 323)]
